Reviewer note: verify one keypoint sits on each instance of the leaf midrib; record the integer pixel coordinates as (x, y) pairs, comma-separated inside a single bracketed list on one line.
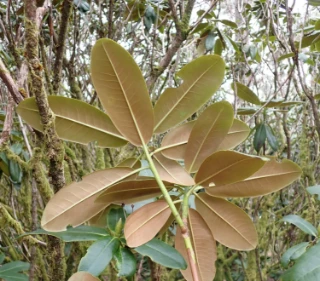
[(82, 124), (182, 97), (204, 139), (148, 220), (91, 194), (125, 96), (203, 201)]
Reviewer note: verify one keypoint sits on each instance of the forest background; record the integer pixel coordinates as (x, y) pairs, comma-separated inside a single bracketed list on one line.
[(270, 47)]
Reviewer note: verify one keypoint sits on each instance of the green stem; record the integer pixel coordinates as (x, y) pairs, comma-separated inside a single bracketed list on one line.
[(182, 223)]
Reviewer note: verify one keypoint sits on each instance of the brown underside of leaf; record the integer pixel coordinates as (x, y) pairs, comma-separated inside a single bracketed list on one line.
[(175, 141), (75, 203), (207, 134), (225, 167), (83, 276), (144, 224), (75, 121), (270, 178), (122, 91), (204, 247), (201, 78), (171, 171), (238, 132), (131, 191), (229, 225)]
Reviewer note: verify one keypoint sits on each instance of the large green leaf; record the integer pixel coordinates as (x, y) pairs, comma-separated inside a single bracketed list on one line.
[(75, 121), (306, 268), (163, 254), (201, 78), (271, 177), (243, 92), (122, 91), (98, 255), (204, 247), (305, 226), (294, 253), (126, 262), (80, 233), (226, 167), (10, 271), (229, 225), (210, 130), (75, 203)]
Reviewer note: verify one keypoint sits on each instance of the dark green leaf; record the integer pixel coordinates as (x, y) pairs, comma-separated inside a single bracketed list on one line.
[(294, 253), (126, 262), (306, 268), (260, 136), (15, 173), (272, 140), (163, 254), (80, 233), (314, 190), (99, 255), (305, 226), (9, 271), (114, 215)]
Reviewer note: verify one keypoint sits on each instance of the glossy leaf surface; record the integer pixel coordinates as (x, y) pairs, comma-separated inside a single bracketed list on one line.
[(204, 247), (11, 271), (174, 143), (75, 203), (225, 167), (163, 254), (208, 133), (171, 171), (83, 276), (201, 78), (306, 268), (75, 121), (143, 225), (98, 256), (305, 226), (131, 191), (243, 92), (270, 178), (229, 225), (122, 91)]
